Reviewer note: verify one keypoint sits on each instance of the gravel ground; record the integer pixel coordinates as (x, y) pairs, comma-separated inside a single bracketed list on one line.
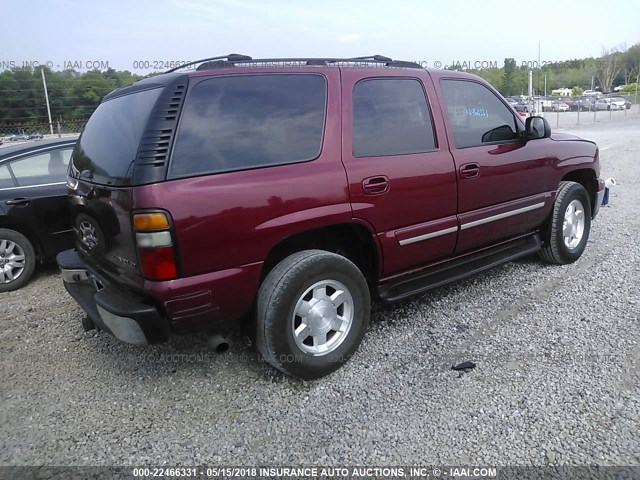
[(557, 380)]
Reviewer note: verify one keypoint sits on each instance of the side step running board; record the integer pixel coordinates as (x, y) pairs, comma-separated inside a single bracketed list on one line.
[(455, 270)]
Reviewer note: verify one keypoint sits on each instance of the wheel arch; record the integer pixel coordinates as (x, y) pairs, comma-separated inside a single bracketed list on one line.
[(352, 240), (12, 224), (588, 179)]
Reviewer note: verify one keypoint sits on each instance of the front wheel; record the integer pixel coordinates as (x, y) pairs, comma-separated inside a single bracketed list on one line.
[(313, 310), (17, 260), (566, 235)]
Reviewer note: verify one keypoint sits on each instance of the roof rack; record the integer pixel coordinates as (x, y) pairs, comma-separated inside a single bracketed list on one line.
[(235, 58), (232, 57)]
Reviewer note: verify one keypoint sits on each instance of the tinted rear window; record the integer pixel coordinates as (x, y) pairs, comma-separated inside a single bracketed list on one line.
[(110, 141), (247, 121)]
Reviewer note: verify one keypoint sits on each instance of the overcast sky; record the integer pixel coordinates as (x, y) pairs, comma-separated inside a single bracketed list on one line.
[(445, 31)]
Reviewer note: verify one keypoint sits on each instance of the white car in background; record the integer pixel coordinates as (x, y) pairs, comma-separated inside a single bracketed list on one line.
[(560, 107), (623, 102), (610, 104)]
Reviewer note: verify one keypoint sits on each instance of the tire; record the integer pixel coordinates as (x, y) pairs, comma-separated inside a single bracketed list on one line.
[(14, 245), (556, 248), (288, 286)]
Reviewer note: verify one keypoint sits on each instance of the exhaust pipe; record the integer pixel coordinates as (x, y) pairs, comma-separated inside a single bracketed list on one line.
[(219, 343)]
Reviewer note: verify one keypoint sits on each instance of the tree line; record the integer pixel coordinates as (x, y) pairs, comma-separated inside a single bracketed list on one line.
[(73, 95), (614, 67)]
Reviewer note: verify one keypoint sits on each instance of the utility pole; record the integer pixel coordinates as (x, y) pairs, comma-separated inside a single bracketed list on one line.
[(636, 100), (530, 91), (539, 68), (46, 96)]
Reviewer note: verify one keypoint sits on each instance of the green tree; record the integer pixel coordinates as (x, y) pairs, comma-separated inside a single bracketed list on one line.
[(72, 95), (509, 78), (632, 63)]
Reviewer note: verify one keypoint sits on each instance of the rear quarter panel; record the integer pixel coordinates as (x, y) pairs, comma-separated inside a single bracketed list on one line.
[(231, 219)]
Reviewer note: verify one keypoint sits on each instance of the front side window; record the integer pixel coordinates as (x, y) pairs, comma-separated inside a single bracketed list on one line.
[(391, 117), (477, 115), (43, 168), (249, 121)]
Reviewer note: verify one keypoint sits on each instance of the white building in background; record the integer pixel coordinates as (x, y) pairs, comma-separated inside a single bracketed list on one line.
[(561, 92)]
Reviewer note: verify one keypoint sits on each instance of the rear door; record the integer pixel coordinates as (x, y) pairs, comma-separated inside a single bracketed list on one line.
[(502, 179), (400, 171), (38, 197)]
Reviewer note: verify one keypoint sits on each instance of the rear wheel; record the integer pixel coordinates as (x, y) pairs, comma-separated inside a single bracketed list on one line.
[(17, 260), (568, 232), (313, 310)]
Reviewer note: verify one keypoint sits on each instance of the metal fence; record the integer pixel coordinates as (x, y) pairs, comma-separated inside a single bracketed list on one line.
[(560, 119), (9, 132)]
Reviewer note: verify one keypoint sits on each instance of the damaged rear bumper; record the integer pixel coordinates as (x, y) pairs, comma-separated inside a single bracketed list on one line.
[(126, 315)]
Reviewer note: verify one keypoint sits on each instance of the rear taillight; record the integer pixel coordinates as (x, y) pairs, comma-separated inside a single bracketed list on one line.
[(156, 249)]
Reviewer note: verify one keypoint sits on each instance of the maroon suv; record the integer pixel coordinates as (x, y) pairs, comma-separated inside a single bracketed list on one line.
[(292, 192)]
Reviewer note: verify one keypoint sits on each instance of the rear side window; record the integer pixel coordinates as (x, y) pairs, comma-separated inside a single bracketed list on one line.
[(477, 115), (109, 144), (248, 121), (391, 117)]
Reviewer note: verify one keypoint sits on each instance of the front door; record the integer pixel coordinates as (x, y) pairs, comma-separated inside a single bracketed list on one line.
[(502, 178)]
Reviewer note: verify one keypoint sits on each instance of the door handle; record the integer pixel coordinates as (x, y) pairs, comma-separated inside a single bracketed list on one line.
[(469, 170), (21, 202), (375, 185)]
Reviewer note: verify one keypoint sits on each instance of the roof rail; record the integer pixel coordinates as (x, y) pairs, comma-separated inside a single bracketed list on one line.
[(232, 57), (235, 58)]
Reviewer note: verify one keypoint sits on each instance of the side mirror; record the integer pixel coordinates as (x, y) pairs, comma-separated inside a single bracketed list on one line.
[(537, 127)]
